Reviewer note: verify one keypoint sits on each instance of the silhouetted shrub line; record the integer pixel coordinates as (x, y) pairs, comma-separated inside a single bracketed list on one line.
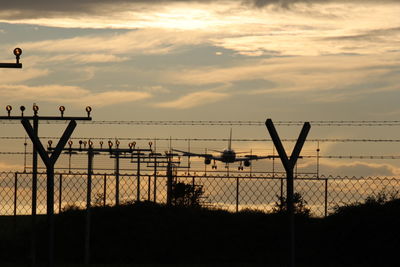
[(364, 233)]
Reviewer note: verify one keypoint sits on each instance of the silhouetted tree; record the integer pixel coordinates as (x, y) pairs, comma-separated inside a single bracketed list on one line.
[(300, 205), (187, 195)]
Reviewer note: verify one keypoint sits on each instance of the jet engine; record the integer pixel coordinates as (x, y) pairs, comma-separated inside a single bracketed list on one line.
[(207, 161), (247, 163)]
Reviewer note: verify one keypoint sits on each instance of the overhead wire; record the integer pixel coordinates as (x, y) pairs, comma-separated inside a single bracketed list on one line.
[(339, 140), (225, 123)]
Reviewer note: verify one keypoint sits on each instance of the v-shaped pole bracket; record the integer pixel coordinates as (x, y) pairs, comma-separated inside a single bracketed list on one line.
[(49, 161), (288, 163)]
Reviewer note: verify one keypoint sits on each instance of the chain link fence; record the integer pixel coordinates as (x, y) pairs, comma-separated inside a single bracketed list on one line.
[(233, 191)]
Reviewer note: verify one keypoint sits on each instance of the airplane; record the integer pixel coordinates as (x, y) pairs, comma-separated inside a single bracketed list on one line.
[(227, 156)]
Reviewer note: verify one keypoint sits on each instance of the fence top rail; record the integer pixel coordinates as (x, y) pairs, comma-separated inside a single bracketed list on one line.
[(203, 175)]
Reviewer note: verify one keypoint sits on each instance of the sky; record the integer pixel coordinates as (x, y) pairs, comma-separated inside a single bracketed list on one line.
[(289, 60)]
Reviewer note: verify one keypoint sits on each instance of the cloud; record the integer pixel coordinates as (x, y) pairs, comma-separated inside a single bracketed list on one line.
[(104, 48), (9, 76), (356, 168), (320, 29), (46, 8), (5, 166), (86, 58), (345, 76), (289, 3), (194, 100), (68, 94)]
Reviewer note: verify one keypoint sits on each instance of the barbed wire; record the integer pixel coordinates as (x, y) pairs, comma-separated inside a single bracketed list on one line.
[(227, 123), (305, 156), (339, 140)]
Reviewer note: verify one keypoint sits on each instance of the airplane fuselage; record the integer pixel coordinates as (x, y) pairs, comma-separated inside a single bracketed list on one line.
[(228, 156)]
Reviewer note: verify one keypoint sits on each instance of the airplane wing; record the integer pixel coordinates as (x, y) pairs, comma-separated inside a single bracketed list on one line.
[(254, 157), (185, 153)]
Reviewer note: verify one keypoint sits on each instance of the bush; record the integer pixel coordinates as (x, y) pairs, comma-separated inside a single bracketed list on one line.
[(186, 195), (299, 205)]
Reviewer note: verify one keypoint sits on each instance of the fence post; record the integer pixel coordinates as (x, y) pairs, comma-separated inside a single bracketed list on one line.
[(60, 193), (326, 197), (15, 193), (105, 189), (237, 194), (281, 196), (117, 179), (149, 188), (88, 204), (155, 187)]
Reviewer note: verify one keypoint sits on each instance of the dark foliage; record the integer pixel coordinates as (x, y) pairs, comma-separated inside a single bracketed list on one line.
[(187, 195), (367, 234), (299, 204)]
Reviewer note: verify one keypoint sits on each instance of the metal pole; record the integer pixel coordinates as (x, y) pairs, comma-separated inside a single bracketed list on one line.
[(138, 178), (289, 165), (326, 197), (237, 194), (169, 183), (105, 190), (60, 193), (88, 206), (281, 192), (148, 188), (290, 212), (25, 145), (116, 178), (15, 193), (50, 213), (34, 167), (318, 160), (155, 180), (273, 163), (34, 192), (15, 208)]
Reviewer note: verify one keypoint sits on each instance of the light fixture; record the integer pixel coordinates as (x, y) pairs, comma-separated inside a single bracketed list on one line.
[(35, 108), (62, 109), (9, 108), (22, 108), (88, 110), (17, 52)]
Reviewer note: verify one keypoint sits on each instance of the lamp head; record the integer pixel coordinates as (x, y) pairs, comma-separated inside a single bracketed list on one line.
[(35, 108), (61, 109), (88, 110), (17, 52), (22, 108)]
